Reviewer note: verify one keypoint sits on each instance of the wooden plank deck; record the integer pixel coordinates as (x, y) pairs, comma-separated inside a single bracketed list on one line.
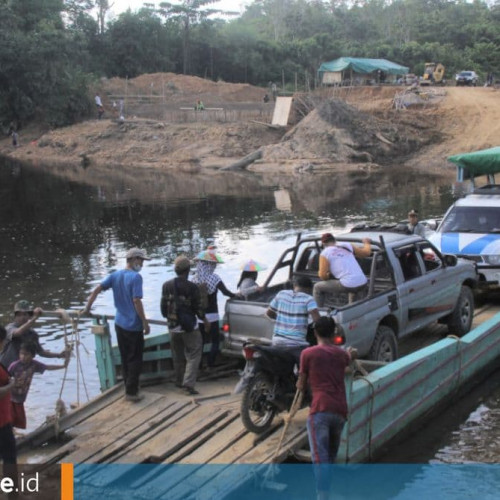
[(171, 428)]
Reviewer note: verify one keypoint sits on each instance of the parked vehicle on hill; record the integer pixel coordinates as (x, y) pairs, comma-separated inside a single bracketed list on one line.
[(433, 74), (467, 78), (410, 285)]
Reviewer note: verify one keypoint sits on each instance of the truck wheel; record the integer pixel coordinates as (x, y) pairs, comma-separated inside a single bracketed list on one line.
[(257, 412), (385, 345), (460, 320)]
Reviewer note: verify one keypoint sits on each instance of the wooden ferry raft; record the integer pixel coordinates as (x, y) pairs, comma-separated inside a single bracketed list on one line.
[(169, 427)]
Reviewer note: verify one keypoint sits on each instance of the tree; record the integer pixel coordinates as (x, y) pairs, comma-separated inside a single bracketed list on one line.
[(187, 13), (138, 43)]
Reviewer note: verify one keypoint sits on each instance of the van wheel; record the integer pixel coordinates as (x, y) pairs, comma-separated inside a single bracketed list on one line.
[(385, 345), (460, 320)]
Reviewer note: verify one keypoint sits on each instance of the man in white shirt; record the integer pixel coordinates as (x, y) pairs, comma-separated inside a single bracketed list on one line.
[(338, 268)]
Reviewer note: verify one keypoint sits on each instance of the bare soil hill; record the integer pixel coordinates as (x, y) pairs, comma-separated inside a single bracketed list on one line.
[(180, 89), (468, 119), (352, 128)]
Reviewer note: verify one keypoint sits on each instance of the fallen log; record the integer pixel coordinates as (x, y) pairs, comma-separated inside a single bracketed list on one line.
[(244, 162)]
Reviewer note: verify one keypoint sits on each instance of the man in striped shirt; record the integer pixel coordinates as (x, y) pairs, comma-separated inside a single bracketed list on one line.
[(291, 309)]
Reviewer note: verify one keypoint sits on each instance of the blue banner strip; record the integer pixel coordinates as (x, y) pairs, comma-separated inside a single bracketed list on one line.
[(286, 481)]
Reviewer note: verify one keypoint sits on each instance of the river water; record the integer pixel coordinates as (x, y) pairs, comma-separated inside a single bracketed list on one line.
[(61, 235)]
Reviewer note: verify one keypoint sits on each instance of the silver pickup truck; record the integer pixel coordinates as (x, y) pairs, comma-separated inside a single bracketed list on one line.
[(410, 285)]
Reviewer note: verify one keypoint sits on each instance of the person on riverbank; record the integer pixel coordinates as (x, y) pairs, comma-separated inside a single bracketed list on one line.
[(131, 323), (8, 452), (291, 310), (180, 304), (99, 106), (338, 268), (22, 371), (21, 330), (322, 368), (205, 276), (414, 226)]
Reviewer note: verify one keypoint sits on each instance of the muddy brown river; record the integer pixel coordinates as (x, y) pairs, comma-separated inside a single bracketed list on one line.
[(60, 237)]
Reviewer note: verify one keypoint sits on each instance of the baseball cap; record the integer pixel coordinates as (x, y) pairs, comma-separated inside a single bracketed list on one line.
[(412, 212), (134, 253), (23, 306), (181, 264), (326, 237)]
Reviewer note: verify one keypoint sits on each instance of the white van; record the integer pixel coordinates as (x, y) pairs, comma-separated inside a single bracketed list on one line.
[(471, 229)]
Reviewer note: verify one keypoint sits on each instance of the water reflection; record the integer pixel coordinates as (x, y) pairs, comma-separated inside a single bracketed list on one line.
[(64, 229)]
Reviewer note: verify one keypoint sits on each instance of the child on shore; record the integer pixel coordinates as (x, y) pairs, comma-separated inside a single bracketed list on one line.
[(23, 370)]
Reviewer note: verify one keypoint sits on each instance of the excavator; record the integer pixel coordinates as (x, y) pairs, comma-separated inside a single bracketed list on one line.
[(433, 74)]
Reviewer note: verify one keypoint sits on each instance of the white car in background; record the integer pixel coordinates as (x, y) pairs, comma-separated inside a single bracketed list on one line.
[(471, 229), (466, 78)]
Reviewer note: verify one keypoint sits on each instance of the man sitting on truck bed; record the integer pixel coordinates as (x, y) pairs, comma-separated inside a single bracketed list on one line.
[(338, 268)]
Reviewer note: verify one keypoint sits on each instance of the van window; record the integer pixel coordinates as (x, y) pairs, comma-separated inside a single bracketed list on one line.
[(472, 220)]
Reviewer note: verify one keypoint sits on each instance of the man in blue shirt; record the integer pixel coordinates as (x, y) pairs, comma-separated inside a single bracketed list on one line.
[(130, 320)]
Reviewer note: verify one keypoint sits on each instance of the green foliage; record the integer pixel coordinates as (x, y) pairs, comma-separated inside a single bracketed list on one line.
[(50, 47)]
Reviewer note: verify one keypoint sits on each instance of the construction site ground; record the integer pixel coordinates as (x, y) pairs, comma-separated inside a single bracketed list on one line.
[(332, 129)]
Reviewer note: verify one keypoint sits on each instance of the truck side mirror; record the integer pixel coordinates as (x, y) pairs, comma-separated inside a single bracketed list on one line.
[(450, 260), (431, 224)]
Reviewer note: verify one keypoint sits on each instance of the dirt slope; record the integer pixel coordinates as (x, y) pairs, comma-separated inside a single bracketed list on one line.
[(469, 119), (369, 135)]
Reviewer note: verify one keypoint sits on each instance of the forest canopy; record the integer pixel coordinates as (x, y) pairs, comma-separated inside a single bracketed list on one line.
[(53, 50)]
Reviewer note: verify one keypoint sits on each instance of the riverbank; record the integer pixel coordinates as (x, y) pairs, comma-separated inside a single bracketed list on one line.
[(346, 131)]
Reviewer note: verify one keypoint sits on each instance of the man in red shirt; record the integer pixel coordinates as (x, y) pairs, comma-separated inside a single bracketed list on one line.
[(323, 367), (7, 440)]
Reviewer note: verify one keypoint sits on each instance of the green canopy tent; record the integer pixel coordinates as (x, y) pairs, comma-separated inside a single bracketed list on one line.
[(484, 162), (360, 65)]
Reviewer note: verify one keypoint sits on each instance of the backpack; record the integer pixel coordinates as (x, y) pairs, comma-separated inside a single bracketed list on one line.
[(179, 313), (202, 287)]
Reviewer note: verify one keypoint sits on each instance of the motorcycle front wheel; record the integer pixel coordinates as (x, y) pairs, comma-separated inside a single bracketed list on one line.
[(257, 412)]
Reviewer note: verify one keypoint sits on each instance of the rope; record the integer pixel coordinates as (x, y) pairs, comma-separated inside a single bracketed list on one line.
[(296, 404), (355, 366), (370, 421), (69, 346)]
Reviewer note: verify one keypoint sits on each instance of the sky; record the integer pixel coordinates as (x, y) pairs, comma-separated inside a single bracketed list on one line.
[(228, 5)]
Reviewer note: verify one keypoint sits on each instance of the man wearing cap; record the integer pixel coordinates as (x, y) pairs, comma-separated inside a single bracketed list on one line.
[(181, 296), (130, 320), (415, 227), (20, 331), (338, 268)]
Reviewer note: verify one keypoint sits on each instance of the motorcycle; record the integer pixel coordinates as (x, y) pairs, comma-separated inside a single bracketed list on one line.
[(268, 384)]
